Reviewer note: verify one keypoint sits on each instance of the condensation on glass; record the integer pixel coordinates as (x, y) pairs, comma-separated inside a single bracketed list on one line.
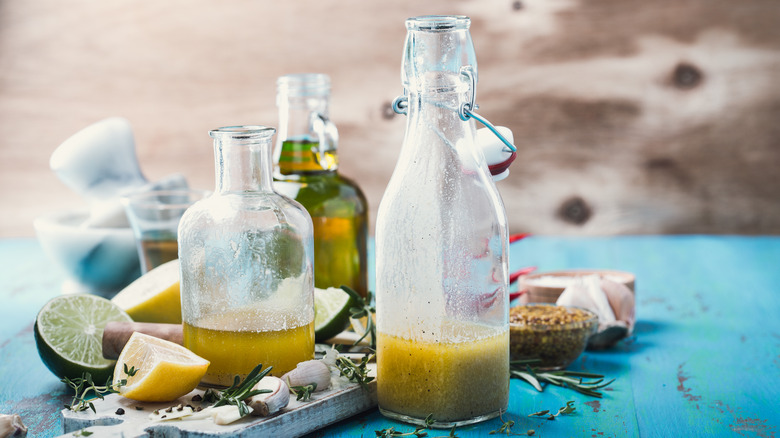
[(246, 257), (441, 247)]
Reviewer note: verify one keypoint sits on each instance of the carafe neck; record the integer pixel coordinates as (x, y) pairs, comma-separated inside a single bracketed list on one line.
[(243, 161)]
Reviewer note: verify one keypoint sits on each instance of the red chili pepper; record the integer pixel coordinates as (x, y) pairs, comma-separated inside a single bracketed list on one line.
[(518, 294), (519, 273), (520, 236), (513, 277)]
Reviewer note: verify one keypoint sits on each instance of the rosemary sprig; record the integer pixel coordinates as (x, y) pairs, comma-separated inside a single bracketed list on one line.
[(363, 308), (303, 393), (584, 383), (239, 391), (357, 373), (419, 431), (85, 389)]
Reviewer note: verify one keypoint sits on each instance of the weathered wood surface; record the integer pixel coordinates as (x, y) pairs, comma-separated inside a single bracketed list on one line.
[(631, 117), (297, 419)]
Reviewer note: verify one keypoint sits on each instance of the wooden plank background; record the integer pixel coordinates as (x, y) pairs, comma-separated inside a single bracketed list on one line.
[(631, 117)]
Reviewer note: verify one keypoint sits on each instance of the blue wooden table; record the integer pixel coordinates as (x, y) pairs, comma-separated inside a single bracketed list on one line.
[(704, 359)]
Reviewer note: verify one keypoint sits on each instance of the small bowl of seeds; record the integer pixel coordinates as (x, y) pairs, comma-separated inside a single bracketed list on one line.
[(554, 335)]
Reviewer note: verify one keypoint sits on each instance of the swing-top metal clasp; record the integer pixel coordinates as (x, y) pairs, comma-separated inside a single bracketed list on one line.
[(466, 109)]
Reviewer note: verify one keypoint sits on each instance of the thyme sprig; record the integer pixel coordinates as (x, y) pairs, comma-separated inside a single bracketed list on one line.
[(303, 392), (239, 391), (357, 373), (363, 308), (85, 389), (419, 431), (506, 427), (582, 382), (566, 410)]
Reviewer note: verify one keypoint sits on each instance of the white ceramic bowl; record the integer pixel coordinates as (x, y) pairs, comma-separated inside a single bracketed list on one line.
[(98, 260)]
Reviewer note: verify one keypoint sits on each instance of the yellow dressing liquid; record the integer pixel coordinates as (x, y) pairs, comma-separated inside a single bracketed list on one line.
[(457, 382), (233, 351)]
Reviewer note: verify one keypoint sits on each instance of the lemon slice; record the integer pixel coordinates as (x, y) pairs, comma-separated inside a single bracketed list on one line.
[(165, 371), (331, 312), (153, 297)]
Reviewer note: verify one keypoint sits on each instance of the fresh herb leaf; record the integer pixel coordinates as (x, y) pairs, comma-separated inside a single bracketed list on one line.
[(584, 383), (506, 427), (540, 413), (211, 395), (85, 390), (566, 410), (240, 391), (303, 393), (357, 373), (419, 431), (82, 432), (363, 309), (131, 372)]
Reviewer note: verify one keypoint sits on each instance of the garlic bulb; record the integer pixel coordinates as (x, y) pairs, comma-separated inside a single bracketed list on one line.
[(613, 303), (271, 402), (308, 372), (12, 426)]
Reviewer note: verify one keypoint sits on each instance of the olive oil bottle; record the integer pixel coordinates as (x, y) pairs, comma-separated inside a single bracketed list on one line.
[(307, 171)]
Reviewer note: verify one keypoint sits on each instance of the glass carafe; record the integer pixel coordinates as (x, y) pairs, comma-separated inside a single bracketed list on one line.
[(246, 265), (441, 247), (307, 171)]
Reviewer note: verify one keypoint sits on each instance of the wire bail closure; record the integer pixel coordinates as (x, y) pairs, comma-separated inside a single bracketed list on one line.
[(401, 104), (466, 109)]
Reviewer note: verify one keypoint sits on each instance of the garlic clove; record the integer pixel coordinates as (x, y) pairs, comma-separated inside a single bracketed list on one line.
[(269, 403), (12, 426), (226, 414), (308, 372)]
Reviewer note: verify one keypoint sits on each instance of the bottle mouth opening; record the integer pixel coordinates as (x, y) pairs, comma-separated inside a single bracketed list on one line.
[(304, 84), (243, 132), (438, 23)]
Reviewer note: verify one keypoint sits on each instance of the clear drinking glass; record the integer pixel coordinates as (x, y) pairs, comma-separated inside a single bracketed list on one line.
[(154, 217), (441, 247), (307, 171), (246, 257)]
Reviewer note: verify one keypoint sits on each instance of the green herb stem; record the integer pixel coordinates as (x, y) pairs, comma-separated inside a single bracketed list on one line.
[(582, 382), (363, 309)]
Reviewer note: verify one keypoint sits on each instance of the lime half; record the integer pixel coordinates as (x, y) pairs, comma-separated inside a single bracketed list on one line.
[(69, 335), (331, 312)]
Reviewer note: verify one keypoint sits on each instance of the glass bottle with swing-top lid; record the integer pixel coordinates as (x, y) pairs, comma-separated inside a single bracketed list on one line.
[(441, 246)]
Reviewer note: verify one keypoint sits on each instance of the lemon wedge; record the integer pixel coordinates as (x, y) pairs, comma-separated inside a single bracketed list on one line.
[(153, 297), (164, 371)]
